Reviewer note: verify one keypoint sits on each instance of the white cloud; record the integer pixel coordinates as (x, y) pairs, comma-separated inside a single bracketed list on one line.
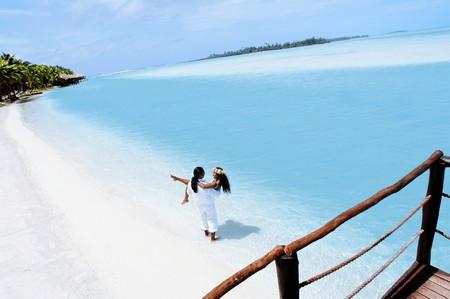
[(6, 40), (20, 12), (402, 7), (131, 8), (119, 8), (225, 12), (113, 4)]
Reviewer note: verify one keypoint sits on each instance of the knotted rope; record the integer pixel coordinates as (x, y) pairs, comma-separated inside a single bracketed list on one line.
[(365, 283), (351, 259)]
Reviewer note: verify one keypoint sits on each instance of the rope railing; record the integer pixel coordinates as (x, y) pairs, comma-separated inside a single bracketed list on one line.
[(278, 251), (365, 250), (361, 207), (365, 283), (443, 234)]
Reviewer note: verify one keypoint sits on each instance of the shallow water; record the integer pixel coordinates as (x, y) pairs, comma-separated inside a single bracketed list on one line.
[(304, 134)]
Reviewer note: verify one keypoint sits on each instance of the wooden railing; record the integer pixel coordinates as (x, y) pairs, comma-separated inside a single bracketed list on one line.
[(286, 257)]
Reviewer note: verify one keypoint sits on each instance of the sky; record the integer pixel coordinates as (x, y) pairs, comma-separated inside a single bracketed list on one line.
[(94, 37)]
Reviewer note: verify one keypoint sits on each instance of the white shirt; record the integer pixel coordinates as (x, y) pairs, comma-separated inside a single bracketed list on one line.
[(204, 198)]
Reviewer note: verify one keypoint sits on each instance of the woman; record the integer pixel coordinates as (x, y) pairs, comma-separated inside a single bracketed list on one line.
[(220, 181), (199, 174), (205, 196)]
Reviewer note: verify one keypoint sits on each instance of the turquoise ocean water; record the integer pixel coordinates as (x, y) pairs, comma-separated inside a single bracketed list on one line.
[(304, 134)]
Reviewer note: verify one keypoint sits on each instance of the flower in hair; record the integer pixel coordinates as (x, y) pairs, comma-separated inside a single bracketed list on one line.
[(218, 171)]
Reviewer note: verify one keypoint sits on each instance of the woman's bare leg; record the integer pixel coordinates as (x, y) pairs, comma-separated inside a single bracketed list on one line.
[(184, 181), (175, 178), (186, 197)]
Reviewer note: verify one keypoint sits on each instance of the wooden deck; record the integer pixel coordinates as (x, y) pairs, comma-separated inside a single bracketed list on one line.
[(421, 280), (426, 282)]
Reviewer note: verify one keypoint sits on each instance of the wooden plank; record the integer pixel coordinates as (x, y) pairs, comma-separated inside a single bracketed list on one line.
[(403, 285), (442, 274), (417, 296), (421, 281), (440, 281), (441, 289), (428, 293), (433, 290), (427, 282)]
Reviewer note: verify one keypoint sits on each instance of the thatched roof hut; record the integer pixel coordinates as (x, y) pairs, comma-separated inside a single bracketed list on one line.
[(69, 79)]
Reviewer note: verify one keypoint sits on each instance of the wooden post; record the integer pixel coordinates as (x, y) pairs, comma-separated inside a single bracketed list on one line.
[(287, 272), (430, 212)]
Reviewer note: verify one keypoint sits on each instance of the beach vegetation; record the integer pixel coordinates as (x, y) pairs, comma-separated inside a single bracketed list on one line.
[(21, 79)]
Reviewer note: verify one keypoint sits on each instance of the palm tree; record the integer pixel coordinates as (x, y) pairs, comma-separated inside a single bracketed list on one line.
[(12, 76), (20, 76)]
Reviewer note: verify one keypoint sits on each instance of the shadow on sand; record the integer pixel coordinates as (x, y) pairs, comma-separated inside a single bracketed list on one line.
[(236, 230)]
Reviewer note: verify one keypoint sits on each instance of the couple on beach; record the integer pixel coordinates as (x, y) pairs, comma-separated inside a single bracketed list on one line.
[(204, 195)]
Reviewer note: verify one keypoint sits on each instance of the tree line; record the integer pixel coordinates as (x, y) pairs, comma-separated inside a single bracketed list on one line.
[(18, 77), (287, 45)]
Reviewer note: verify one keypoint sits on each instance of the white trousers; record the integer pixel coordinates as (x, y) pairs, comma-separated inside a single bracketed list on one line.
[(208, 217)]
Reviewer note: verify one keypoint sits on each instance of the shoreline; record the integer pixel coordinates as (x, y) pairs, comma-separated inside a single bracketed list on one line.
[(28, 96), (90, 243)]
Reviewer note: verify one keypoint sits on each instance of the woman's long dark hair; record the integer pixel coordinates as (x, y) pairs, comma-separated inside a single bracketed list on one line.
[(198, 171), (224, 182)]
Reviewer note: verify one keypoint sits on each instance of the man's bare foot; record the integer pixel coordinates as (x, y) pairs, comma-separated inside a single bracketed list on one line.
[(185, 201), (206, 232), (213, 237), (173, 177)]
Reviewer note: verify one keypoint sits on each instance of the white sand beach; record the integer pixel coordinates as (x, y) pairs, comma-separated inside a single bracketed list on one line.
[(62, 237)]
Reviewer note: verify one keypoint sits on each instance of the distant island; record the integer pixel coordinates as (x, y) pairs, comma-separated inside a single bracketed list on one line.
[(268, 47), (398, 31), (20, 80)]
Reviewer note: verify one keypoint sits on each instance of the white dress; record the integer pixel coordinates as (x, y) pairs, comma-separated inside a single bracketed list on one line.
[(204, 199)]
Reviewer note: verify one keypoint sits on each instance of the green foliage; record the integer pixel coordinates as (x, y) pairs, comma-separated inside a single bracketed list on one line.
[(20, 76), (267, 47)]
